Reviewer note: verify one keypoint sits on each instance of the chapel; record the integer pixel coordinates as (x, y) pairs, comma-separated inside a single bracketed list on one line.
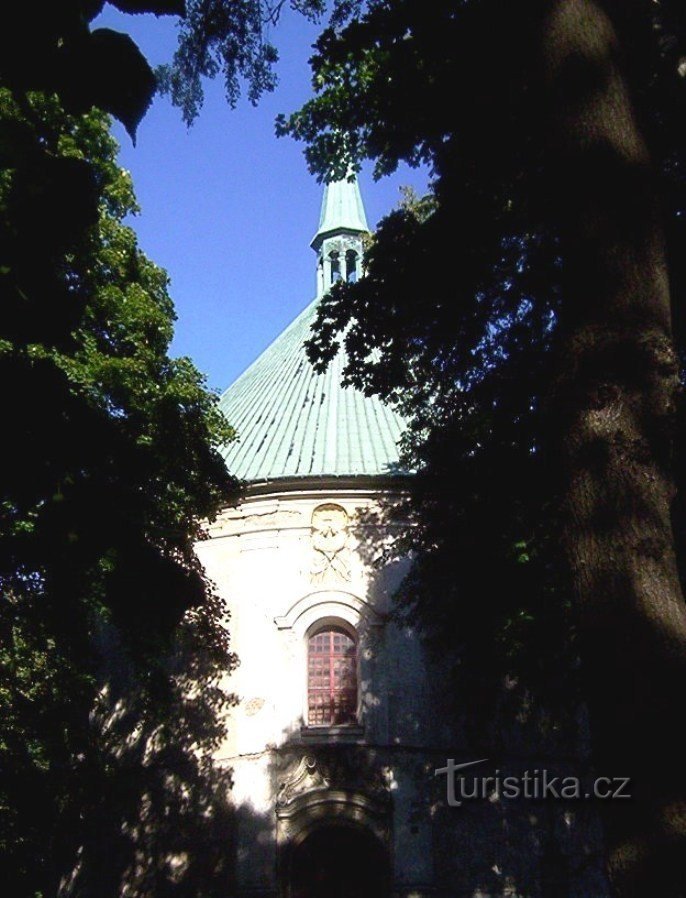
[(341, 716)]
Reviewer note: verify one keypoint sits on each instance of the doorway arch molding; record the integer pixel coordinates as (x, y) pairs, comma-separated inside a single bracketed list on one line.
[(323, 808)]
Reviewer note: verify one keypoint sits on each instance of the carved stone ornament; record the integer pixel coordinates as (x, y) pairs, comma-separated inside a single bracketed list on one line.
[(253, 706), (306, 778), (329, 536)]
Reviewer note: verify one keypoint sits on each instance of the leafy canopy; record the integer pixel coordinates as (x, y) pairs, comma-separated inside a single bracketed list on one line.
[(58, 51), (110, 463), (107, 623), (457, 319)]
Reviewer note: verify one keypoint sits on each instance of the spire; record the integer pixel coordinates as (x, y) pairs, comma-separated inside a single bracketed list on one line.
[(338, 241), (342, 210)]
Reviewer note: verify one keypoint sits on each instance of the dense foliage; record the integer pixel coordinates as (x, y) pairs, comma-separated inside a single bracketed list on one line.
[(455, 318), (109, 464), (455, 322), (107, 623), (517, 317), (228, 39), (58, 51)]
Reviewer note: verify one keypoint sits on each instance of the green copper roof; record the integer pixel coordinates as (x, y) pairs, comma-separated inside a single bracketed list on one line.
[(293, 422), (342, 209)]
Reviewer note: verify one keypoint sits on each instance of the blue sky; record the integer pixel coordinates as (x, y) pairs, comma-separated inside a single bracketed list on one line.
[(227, 208)]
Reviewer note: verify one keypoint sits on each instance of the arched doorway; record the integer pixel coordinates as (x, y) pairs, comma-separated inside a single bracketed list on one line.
[(339, 861)]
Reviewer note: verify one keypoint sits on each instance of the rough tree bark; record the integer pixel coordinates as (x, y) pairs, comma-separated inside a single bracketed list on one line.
[(614, 404)]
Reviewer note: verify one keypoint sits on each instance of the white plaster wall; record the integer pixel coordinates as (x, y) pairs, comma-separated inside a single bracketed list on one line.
[(260, 556)]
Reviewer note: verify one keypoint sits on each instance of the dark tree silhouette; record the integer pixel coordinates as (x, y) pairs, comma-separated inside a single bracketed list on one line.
[(524, 319)]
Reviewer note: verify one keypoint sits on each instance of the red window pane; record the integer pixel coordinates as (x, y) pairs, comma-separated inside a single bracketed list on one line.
[(332, 678)]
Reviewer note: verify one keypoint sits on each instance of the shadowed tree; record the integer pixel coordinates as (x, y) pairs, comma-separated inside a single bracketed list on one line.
[(108, 624), (523, 320), (109, 465), (58, 51)]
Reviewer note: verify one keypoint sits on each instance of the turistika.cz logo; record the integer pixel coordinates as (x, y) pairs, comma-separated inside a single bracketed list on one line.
[(532, 784)]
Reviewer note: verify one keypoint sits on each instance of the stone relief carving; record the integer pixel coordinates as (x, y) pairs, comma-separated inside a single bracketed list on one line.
[(329, 538), (307, 777), (253, 706), (272, 517), (336, 767), (248, 520), (319, 791)]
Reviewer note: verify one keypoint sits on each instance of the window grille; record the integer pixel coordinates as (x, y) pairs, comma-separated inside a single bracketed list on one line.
[(331, 678)]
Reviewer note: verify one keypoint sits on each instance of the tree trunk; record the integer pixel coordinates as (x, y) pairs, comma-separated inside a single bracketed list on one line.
[(614, 409)]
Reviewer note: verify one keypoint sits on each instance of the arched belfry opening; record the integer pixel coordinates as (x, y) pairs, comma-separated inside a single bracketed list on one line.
[(335, 260), (339, 860), (352, 266)]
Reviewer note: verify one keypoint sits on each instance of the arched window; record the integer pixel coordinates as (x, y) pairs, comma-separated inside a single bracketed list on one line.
[(331, 677), (351, 266), (335, 267)]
